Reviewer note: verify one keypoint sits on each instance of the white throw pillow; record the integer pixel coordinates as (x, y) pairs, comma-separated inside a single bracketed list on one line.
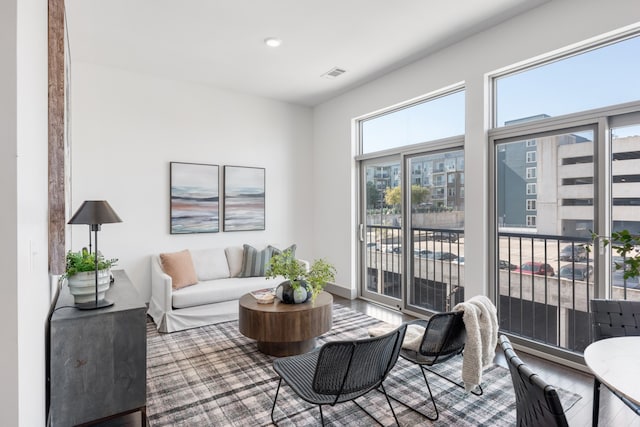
[(210, 264), (234, 259)]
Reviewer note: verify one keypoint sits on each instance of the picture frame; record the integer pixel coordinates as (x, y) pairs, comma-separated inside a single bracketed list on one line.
[(244, 198), (194, 198)]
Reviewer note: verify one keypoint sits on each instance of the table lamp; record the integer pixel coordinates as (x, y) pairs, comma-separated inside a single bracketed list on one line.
[(95, 213)]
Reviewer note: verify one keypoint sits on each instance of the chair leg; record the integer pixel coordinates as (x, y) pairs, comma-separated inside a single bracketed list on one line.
[(321, 416), (474, 392), (275, 400), (390, 406), (596, 402), (429, 417), (430, 395), (368, 413)]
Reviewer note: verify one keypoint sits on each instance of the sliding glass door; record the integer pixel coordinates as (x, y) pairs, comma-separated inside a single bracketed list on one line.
[(435, 229), (412, 232), (380, 230)]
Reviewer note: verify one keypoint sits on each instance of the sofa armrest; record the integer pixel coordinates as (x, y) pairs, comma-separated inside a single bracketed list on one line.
[(161, 285)]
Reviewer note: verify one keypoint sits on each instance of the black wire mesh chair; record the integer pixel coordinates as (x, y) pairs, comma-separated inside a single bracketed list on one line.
[(613, 318), (341, 371), (444, 338), (537, 403)]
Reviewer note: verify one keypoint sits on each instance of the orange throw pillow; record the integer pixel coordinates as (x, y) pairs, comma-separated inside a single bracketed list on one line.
[(179, 266)]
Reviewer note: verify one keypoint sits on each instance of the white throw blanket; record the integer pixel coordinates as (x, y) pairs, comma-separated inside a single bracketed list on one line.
[(481, 323)]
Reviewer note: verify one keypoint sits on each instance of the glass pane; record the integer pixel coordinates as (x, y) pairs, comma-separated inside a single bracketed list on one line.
[(625, 203), (594, 79), (545, 211), (383, 237), (437, 230), (432, 119)]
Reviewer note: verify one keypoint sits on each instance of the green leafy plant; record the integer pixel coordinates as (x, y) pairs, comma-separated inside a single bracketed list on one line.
[(286, 265), (78, 262), (625, 244)]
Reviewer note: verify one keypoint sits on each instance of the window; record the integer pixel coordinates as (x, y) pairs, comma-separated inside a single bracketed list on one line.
[(531, 173), (531, 188), (531, 143), (531, 220), (531, 204), (428, 120), (451, 192), (553, 89), (531, 156)]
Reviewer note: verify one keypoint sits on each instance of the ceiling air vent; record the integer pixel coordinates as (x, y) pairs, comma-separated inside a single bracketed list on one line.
[(333, 73)]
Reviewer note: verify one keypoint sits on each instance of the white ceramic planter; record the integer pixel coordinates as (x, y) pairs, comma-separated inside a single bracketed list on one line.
[(82, 285)]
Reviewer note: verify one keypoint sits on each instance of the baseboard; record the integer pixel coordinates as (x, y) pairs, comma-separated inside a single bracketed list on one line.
[(341, 291)]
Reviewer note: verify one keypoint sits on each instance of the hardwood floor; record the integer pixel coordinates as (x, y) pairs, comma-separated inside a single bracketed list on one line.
[(613, 412)]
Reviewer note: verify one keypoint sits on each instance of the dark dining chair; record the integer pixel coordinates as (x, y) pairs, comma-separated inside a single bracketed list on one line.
[(341, 371), (537, 403), (613, 318), (444, 338)]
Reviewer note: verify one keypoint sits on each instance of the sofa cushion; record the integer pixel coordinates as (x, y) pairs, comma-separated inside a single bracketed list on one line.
[(179, 266), (234, 259), (220, 290), (255, 262), (210, 264)]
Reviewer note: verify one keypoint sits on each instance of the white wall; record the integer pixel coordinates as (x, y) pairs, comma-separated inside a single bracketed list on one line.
[(127, 127), (555, 25), (8, 216), (32, 185), (23, 218)]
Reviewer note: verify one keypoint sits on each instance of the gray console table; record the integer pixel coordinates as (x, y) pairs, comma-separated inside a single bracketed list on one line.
[(98, 358)]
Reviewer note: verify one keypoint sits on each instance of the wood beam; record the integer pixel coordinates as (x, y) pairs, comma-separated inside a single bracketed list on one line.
[(56, 138)]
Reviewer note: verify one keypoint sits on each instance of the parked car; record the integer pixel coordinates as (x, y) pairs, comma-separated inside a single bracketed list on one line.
[(576, 252), (536, 268), (442, 256), (373, 246), (576, 272), (459, 260), (619, 280), (422, 253), (445, 236), (506, 265)]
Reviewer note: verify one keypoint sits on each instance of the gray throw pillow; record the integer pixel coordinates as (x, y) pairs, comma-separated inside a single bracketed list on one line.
[(254, 262)]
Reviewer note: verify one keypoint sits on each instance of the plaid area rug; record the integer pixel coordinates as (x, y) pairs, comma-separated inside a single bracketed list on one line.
[(214, 376)]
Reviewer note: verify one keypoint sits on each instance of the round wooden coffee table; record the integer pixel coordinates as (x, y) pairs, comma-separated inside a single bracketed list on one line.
[(285, 329)]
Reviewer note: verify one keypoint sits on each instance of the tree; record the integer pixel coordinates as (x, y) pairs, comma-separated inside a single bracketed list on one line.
[(419, 195), (393, 196), (373, 195)]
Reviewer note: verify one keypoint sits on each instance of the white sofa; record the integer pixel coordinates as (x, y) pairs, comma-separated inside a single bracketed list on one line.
[(213, 299)]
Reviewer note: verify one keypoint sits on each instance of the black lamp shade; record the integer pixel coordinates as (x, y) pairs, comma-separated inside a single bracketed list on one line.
[(95, 212)]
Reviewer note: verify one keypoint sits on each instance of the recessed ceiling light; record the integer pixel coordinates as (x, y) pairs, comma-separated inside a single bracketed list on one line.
[(272, 41)]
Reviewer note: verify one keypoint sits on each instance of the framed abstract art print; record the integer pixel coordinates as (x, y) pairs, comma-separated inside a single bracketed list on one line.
[(194, 198), (244, 198)]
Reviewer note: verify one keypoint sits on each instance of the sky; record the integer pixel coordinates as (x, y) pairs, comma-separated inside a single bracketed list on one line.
[(598, 78)]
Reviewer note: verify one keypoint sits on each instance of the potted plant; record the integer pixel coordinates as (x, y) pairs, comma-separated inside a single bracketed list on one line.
[(80, 273), (301, 284)]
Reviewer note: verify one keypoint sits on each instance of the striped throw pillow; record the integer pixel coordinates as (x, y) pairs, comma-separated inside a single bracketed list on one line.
[(254, 262)]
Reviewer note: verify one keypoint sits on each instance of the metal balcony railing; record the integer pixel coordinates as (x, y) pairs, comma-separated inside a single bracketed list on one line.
[(544, 282)]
